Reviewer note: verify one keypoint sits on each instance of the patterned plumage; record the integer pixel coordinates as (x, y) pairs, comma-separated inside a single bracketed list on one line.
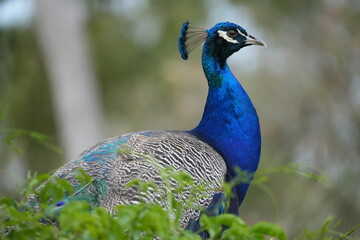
[(228, 136), (113, 163)]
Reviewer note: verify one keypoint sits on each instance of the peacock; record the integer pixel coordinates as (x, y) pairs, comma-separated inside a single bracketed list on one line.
[(227, 137)]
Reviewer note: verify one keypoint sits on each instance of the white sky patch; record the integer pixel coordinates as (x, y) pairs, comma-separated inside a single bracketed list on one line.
[(16, 12), (224, 35)]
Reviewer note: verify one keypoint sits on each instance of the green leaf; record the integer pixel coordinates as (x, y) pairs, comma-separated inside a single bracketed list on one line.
[(269, 229), (211, 225), (83, 177), (7, 202), (348, 233), (229, 220)]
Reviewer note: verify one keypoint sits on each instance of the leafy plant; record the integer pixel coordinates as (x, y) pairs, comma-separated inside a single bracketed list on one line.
[(326, 232), (9, 135), (79, 220)]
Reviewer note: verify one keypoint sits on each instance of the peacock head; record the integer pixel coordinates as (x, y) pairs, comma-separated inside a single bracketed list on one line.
[(221, 41)]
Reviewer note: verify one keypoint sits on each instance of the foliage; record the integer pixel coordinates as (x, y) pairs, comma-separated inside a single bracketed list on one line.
[(9, 135), (326, 232), (142, 221), (13, 133)]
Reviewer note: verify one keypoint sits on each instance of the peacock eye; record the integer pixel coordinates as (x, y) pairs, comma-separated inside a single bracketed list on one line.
[(232, 33), (59, 204)]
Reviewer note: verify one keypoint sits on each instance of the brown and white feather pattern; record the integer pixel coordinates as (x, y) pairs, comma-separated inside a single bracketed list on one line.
[(113, 163)]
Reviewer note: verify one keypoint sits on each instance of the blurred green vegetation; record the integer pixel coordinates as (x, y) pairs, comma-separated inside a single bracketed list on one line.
[(305, 86)]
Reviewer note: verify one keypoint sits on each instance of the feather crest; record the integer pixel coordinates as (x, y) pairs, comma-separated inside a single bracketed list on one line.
[(190, 38)]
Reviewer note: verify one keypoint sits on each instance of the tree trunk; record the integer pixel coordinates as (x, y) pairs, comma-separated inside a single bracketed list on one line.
[(61, 31)]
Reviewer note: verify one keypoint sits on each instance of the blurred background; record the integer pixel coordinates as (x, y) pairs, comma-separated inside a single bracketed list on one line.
[(80, 71)]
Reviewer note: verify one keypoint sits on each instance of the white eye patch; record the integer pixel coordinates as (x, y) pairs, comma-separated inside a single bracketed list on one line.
[(224, 35), (242, 33)]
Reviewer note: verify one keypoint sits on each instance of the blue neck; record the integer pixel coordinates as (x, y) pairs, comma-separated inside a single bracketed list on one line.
[(229, 123)]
